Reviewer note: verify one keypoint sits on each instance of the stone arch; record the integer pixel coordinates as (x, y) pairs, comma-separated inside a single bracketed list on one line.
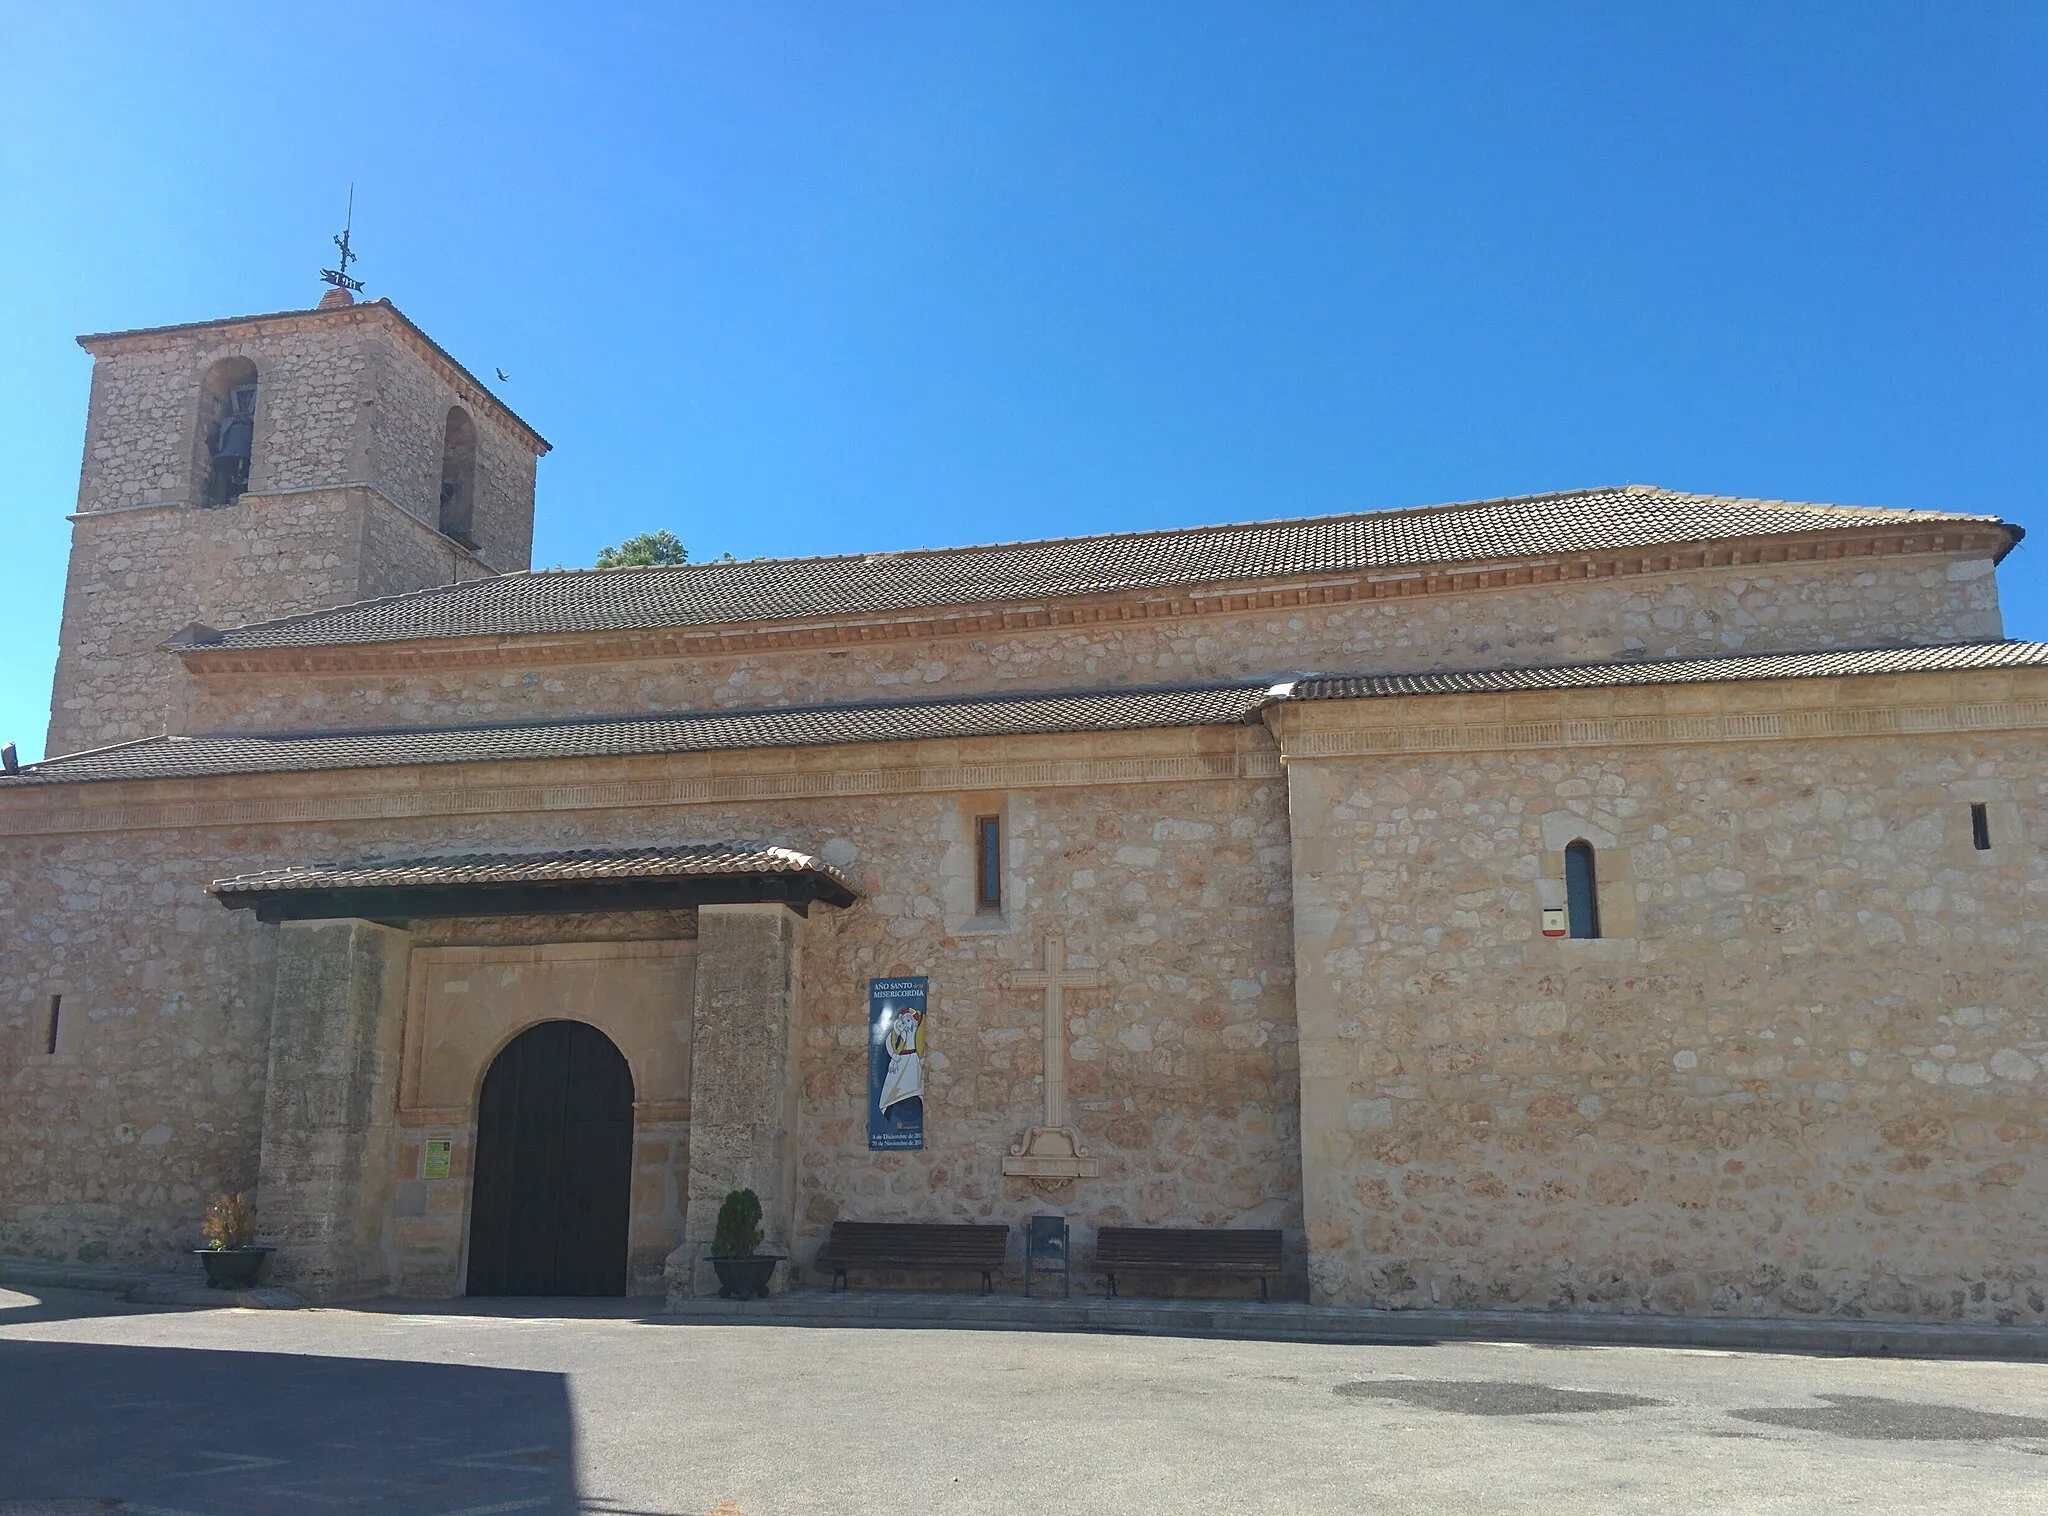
[(225, 449), (458, 476)]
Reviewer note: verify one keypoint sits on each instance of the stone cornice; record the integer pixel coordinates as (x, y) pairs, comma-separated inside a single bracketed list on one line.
[(1167, 604), (1807, 710), (1171, 756)]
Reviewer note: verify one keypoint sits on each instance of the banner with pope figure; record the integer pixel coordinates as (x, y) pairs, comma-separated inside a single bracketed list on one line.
[(896, 1062)]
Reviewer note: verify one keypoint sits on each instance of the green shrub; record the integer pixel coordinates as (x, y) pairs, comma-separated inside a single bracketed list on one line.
[(739, 1226)]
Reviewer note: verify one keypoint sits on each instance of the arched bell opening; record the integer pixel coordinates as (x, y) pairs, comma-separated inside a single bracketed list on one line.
[(458, 476), (227, 431)]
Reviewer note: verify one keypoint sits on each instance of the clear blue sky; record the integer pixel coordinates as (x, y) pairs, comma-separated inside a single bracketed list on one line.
[(810, 277)]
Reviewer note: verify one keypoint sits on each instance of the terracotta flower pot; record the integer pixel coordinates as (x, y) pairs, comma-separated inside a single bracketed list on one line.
[(745, 1278), (232, 1268)]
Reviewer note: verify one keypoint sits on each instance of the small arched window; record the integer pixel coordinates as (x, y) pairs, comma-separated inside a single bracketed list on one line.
[(227, 430), (458, 475), (1582, 889)]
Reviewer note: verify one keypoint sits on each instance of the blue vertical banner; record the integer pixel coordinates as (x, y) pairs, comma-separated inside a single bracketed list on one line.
[(896, 1062)]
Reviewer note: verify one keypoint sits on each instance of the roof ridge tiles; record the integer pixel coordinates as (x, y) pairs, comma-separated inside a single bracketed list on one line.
[(1111, 709), (1957, 657), (725, 713)]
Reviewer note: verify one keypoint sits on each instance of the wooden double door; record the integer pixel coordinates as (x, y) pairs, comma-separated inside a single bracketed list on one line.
[(554, 1166)]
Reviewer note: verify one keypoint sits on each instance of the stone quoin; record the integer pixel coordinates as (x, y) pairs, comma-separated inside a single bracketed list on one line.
[(1618, 899)]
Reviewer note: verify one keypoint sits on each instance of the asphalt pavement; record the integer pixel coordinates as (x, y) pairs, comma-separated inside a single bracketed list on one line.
[(559, 1407)]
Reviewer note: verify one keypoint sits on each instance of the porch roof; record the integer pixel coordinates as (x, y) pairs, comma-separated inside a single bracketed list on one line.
[(560, 881)]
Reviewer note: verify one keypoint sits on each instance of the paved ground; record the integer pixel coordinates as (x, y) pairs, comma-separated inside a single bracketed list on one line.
[(105, 1407)]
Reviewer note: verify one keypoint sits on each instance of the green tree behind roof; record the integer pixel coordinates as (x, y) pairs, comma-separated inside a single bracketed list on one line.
[(647, 550)]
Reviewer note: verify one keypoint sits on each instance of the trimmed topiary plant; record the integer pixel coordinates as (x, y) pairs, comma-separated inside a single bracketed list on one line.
[(738, 1233)]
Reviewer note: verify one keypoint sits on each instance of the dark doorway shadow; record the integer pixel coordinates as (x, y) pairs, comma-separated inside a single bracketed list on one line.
[(220, 1434), (554, 1166)]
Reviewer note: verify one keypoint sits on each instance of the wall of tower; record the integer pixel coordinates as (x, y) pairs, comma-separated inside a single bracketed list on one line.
[(140, 576), (342, 498), (407, 414)]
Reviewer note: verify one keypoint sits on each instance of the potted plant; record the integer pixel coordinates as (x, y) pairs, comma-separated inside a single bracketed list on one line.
[(743, 1272), (231, 1256)]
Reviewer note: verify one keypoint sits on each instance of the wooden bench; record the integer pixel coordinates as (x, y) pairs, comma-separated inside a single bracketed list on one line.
[(914, 1245), (1186, 1250)]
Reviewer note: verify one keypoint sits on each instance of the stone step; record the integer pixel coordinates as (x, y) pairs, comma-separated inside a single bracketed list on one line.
[(142, 1286), (1293, 1321)]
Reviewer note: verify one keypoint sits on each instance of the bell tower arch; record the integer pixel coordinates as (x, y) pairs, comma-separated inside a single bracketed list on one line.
[(263, 466)]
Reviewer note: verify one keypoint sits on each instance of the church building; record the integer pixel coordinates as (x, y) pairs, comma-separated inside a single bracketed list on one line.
[(1618, 899)]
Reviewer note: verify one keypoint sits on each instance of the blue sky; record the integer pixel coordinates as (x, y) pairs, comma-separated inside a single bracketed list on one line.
[(811, 277)]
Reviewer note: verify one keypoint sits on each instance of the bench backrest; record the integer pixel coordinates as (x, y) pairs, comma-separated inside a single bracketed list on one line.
[(1170, 1248), (914, 1242)]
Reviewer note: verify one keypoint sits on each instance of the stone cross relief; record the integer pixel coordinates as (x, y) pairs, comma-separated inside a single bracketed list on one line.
[(1052, 1152)]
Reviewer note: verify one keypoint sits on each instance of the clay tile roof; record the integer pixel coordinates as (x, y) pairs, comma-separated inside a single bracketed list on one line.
[(579, 865), (687, 732), (1897, 660), (959, 717), (710, 594)]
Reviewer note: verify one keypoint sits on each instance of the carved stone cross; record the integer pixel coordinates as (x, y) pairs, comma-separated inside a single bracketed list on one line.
[(1052, 1151)]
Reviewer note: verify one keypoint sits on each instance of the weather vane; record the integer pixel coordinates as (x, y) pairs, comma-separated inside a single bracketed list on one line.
[(338, 277)]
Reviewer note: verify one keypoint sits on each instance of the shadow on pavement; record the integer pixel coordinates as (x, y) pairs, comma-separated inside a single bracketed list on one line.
[(21, 1304), (185, 1430)]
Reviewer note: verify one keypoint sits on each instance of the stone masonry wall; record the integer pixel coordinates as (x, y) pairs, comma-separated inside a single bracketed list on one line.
[(153, 1103), (408, 415), (1782, 608), (138, 577), (348, 426), (1182, 1071), (343, 397), (401, 555), (1802, 1075), (143, 443)]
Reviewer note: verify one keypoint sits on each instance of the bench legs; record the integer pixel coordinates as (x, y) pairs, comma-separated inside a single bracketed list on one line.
[(988, 1286)]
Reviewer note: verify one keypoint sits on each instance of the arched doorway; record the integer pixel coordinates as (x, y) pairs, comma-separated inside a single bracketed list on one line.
[(554, 1166)]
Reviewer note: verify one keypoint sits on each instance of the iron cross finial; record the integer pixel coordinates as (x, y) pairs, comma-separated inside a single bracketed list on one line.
[(338, 277)]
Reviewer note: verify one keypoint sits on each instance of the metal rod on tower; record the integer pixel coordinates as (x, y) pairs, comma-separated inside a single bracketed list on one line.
[(338, 277)]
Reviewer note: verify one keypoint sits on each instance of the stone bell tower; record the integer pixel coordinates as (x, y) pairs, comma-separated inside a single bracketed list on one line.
[(264, 466)]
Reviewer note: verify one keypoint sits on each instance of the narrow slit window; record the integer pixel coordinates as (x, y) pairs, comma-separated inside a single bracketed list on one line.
[(56, 1021), (1980, 827), (1582, 890), (988, 863)]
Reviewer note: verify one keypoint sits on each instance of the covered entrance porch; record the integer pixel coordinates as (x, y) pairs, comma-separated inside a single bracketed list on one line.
[(437, 1057)]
